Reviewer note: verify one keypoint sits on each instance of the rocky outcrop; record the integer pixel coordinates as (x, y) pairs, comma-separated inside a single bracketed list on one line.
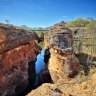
[(59, 30), (18, 47), (68, 88), (62, 64), (47, 55), (63, 67)]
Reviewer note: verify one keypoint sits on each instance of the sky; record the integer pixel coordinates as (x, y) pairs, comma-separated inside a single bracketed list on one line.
[(44, 13)]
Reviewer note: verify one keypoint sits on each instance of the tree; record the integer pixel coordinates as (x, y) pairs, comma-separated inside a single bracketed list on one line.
[(79, 22), (25, 27), (7, 21), (91, 25), (90, 19), (91, 28)]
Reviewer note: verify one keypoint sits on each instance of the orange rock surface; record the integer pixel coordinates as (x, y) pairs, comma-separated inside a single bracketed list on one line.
[(17, 48), (62, 67)]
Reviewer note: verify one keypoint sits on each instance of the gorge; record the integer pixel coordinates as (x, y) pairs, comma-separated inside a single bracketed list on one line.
[(62, 67), (26, 69)]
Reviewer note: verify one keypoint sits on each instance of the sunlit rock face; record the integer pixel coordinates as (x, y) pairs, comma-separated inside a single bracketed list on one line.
[(56, 34), (18, 47), (62, 64), (68, 88)]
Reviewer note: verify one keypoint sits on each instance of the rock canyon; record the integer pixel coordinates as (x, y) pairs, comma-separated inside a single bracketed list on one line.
[(59, 77)]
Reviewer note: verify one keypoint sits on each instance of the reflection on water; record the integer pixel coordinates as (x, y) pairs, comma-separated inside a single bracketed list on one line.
[(40, 61), (39, 65)]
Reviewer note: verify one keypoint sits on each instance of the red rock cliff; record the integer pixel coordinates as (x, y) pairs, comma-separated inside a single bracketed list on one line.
[(17, 48)]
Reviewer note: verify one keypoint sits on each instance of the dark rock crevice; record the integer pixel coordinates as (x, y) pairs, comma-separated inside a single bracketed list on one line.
[(31, 78), (47, 55), (44, 75)]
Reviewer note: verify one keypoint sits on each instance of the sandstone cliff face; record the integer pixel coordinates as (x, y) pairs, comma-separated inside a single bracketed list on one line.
[(56, 31), (63, 66), (18, 47)]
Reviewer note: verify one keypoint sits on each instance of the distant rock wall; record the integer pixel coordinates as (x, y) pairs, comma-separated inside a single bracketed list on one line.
[(18, 47)]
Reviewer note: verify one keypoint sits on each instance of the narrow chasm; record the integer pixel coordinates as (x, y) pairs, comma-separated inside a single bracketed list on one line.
[(39, 66), (39, 70), (42, 73)]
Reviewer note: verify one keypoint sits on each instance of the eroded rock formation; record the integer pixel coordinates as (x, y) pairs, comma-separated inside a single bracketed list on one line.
[(62, 64), (18, 47)]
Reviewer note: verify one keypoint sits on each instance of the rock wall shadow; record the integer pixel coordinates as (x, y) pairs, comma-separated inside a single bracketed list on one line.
[(31, 78)]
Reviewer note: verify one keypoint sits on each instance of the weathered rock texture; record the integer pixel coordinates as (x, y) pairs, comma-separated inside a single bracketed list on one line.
[(55, 35), (62, 64), (68, 88), (18, 47)]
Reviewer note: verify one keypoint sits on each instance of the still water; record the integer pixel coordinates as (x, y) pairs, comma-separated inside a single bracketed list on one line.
[(39, 65), (40, 61)]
